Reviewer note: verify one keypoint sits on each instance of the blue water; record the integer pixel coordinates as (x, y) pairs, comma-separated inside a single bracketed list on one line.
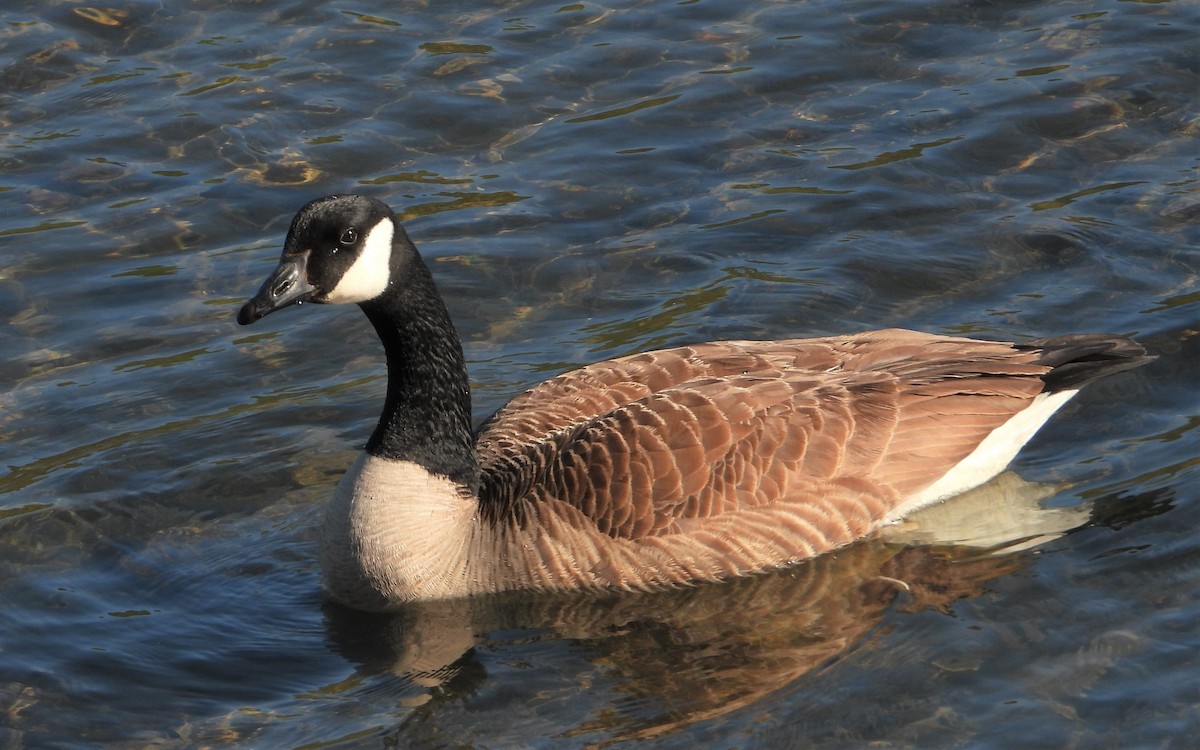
[(586, 180)]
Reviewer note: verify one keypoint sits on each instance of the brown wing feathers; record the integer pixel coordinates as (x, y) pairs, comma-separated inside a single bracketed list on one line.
[(840, 428), (667, 462)]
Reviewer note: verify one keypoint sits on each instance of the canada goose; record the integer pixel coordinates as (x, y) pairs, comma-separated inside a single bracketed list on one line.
[(675, 466)]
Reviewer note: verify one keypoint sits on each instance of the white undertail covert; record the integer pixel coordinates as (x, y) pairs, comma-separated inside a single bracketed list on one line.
[(991, 456)]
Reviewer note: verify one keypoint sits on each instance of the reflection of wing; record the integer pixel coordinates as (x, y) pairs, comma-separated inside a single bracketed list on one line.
[(829, 435), (669, 659)]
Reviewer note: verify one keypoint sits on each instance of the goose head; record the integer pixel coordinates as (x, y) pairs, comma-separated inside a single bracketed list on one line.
[(338, 250)]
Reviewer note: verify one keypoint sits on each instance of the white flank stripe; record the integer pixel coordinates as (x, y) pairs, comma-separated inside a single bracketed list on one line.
[(368, 276), (992, 455)]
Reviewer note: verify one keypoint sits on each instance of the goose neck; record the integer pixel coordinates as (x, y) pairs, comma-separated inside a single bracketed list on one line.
[(427, 414)]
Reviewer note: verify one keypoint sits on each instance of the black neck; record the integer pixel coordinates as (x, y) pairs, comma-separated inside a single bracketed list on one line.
[(427, 416)]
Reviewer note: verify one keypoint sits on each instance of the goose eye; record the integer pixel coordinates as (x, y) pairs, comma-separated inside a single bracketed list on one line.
[(349, 237)]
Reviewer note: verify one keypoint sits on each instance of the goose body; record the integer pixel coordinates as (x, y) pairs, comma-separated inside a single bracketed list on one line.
[(681, 465)]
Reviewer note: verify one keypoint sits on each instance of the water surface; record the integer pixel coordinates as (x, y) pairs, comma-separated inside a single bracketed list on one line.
[(587, 180)]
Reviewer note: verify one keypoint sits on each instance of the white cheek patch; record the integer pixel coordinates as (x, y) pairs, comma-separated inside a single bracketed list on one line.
[(367, 278)]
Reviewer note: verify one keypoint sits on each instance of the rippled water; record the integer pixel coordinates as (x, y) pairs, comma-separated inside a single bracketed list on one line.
[(587, 180)]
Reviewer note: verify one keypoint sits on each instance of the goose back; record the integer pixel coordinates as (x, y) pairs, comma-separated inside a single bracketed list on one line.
[(841, 430)]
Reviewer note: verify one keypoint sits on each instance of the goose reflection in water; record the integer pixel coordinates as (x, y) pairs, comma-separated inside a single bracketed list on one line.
[(677, 657)]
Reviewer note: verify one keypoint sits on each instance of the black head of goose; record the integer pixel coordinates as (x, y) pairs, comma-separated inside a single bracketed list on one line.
[(674, 466)]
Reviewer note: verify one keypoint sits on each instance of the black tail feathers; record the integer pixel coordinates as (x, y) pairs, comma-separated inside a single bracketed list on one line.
[(1079, 358)]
